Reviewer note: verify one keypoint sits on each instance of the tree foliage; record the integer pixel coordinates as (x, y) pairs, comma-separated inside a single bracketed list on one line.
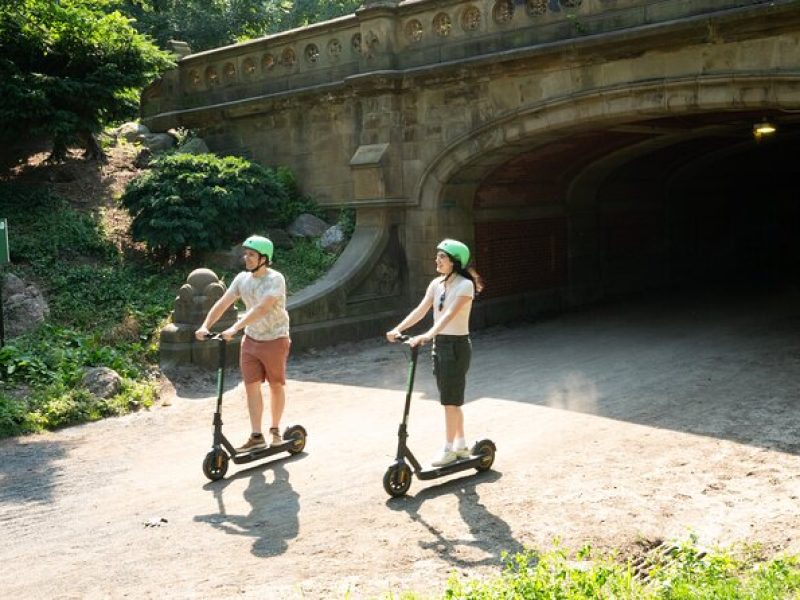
[(206, 24), (68, 68)]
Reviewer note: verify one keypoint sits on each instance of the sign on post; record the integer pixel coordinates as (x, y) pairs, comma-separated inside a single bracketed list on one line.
[(5, 258)]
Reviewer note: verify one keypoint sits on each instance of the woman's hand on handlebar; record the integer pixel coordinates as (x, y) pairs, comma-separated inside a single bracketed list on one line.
[(418, 340), (394, 335)]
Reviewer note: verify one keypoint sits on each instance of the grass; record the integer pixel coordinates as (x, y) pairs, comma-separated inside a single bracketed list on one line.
[(686, 572)]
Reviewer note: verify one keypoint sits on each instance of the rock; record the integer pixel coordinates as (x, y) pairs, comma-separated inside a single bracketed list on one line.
[(157, 141), (155, 522), (102, 381), (12, 285), (24, 306), (280, 238), (333, 239), (131, 131), (307, 225), (194, 145)]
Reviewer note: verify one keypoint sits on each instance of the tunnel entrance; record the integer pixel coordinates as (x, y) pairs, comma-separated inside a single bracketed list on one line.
[(690, 201)]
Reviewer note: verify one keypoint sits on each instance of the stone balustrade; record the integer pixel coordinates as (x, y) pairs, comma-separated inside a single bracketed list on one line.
[(394, 36)]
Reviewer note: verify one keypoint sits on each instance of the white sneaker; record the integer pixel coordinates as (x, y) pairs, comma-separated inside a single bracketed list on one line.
[(444, 458), (462, 452)]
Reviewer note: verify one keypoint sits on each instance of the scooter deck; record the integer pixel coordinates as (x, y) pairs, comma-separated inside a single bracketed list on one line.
[(461, 464), (244, 457)]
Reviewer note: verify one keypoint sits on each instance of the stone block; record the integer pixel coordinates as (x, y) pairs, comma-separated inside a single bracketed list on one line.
[(177, 344)]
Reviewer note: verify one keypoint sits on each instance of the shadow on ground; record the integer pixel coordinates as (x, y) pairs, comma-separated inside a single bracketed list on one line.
[(29, 471), (274, 507), (487, 531)]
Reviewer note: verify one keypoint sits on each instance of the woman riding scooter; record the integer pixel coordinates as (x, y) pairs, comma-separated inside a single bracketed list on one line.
[(450, 295)]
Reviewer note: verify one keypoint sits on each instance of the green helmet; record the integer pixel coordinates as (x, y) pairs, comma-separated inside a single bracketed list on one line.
[(456, 250), (260, 244)]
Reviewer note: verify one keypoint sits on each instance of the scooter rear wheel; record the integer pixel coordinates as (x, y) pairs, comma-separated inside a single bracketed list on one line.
[(486, 450), (215, 465), (298, 434), (397, 480)]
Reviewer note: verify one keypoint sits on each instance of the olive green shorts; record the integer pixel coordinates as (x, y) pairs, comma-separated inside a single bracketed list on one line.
[(451, 356)]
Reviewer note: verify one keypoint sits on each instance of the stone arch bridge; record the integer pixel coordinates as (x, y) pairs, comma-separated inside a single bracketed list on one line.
[(583, 148)]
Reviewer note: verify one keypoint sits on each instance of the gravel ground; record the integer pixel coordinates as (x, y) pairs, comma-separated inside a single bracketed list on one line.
[(619, 426)]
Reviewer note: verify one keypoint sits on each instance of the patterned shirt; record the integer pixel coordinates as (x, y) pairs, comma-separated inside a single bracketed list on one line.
[(252, 290)]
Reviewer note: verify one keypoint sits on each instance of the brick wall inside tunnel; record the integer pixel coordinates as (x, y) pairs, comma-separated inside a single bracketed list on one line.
[(520, 256)]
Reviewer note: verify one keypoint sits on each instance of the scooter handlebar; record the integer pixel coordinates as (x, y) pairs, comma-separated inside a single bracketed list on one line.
[(213, 336)]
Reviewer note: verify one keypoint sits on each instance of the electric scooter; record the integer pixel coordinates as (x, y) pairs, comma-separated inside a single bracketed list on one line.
[(397, 478), (215, 464)]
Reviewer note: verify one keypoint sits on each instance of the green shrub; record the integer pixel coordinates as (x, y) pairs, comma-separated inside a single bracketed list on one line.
[(13, 413), (45, 231), (303, 264), (58, 405), (347, 220), (202, 202)]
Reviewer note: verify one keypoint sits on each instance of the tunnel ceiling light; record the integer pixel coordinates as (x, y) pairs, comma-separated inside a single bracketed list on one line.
[(763, 129)]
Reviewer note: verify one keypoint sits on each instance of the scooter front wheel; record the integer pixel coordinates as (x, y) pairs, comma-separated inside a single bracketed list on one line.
[(297, 434), (397, 480), (215, 465), (486, 450)]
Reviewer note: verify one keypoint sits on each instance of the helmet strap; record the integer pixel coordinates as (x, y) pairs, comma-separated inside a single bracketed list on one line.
[(259, 265)]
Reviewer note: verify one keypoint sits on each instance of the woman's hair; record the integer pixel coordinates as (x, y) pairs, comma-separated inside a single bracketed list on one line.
[(461, 270), (467, 272)]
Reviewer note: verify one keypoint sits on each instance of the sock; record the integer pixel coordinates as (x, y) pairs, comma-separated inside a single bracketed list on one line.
[(448, 446), (257, 434), (459, 444)]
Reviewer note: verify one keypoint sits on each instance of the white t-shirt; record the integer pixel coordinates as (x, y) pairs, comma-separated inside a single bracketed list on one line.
[(458, 286), (252, 290)]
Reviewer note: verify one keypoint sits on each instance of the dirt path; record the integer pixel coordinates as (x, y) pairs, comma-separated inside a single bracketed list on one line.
[(616, 425)]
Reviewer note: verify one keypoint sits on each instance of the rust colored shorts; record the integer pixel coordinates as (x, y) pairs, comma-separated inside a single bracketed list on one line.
[(264, 361)]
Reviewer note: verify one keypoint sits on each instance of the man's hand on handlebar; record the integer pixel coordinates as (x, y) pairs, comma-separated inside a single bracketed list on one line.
[(228, 334), (204, 334)]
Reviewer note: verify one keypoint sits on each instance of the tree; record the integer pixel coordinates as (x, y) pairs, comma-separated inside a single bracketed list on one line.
[(70, 67), (206, 24)]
